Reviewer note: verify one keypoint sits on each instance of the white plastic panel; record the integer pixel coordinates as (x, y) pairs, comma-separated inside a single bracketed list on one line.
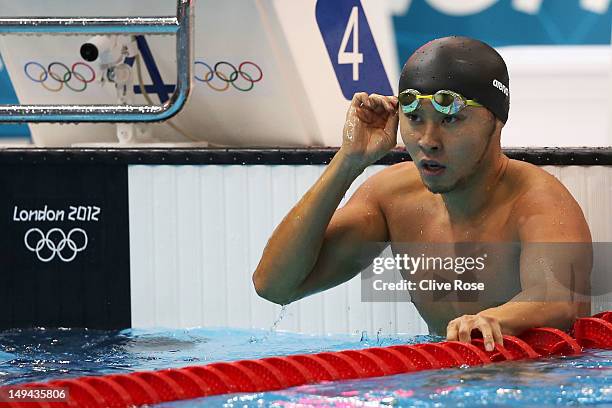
[(197, 234)]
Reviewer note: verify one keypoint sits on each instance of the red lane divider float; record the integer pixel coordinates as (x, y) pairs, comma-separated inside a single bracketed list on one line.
[(547, 341), (274, 373), (594, 332)]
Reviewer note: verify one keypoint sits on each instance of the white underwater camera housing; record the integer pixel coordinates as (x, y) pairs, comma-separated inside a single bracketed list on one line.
[(109, 52)]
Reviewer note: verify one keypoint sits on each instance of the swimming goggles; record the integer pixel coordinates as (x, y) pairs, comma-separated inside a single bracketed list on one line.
[(446, 102)]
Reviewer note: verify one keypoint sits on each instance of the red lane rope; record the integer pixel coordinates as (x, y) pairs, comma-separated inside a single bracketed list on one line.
[(274, 373)]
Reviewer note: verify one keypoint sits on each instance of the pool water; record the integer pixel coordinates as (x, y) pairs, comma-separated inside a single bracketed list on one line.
[(40, 355)]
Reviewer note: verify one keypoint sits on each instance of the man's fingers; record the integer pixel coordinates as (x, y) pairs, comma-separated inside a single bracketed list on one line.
[(465, 331), (487, 335), (376, 110), (380, 103), (391, 125), (359, 107), (366, 115), (452, 332), (462, 327), (375, 102), (357, 103), (394, 101), (389, 105), (497, 334), (359, 98)]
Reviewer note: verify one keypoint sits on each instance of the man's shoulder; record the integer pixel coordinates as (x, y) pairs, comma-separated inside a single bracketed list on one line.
[(545, 210), (396, 179), (532, 181), (536, 189)]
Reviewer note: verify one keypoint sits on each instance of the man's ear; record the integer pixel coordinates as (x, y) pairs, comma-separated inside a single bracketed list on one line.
[(499, 125)]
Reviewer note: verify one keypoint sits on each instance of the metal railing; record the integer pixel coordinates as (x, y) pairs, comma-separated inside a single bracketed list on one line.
[(181, 25)]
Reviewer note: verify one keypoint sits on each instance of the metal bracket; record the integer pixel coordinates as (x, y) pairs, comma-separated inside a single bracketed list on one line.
[(181, 25)]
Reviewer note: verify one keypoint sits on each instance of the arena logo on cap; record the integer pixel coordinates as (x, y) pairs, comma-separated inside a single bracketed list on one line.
[(501, 87)]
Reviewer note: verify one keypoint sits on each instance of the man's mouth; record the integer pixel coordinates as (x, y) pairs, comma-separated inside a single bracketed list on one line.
[(432, 167)]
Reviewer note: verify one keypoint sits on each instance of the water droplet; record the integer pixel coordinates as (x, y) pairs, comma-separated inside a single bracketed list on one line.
[(388, 401)]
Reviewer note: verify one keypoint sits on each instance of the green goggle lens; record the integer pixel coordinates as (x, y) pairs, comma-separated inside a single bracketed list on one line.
[(443, 99), (408, 101)]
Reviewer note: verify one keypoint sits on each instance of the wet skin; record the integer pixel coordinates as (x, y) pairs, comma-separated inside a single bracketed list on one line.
[(460, 187)]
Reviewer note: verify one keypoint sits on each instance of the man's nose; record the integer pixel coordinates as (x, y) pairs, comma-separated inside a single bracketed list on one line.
[(429, 141)]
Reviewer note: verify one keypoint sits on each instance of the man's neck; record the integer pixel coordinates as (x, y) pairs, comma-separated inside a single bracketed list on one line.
[(470, 198)]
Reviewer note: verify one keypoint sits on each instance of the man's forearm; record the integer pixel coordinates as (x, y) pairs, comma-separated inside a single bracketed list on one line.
[(515, 317), (293, 248)]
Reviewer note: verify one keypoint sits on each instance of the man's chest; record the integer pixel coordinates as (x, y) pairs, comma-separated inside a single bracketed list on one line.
[(430, 222), (483, 252)]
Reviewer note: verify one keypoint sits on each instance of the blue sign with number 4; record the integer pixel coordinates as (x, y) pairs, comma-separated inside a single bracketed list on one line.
[(351, 47)]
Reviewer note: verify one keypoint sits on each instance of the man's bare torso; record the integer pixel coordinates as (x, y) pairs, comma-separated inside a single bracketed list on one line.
[(415, 215)]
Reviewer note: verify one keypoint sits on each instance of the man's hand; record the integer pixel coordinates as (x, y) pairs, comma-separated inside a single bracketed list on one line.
[(370, 129), (461, 329)]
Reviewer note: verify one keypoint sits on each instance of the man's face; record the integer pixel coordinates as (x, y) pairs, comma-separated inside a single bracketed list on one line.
[(447, 150)]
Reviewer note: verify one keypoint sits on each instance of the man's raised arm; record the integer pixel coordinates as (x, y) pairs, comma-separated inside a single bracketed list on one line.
[(314, 246)]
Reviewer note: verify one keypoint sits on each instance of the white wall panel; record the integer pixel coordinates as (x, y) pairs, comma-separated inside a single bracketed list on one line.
[(189, 255), (215, 287), (165, 245), (197, 234), (142, 282)]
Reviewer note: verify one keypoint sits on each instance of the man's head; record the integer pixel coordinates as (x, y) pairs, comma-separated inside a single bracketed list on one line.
[(450, 148)]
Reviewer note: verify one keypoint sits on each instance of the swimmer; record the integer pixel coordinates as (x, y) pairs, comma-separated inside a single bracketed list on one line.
[(452, 105)]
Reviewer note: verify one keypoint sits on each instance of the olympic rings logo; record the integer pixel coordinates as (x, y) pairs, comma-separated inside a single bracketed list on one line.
[(75, 77), (55, 243), (57, 75), (242, 78)]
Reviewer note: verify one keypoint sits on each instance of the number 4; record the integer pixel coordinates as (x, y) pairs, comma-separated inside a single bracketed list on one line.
[(355, 58)]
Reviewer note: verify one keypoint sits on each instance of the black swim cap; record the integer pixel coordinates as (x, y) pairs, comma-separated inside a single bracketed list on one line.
[(461, 64)]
